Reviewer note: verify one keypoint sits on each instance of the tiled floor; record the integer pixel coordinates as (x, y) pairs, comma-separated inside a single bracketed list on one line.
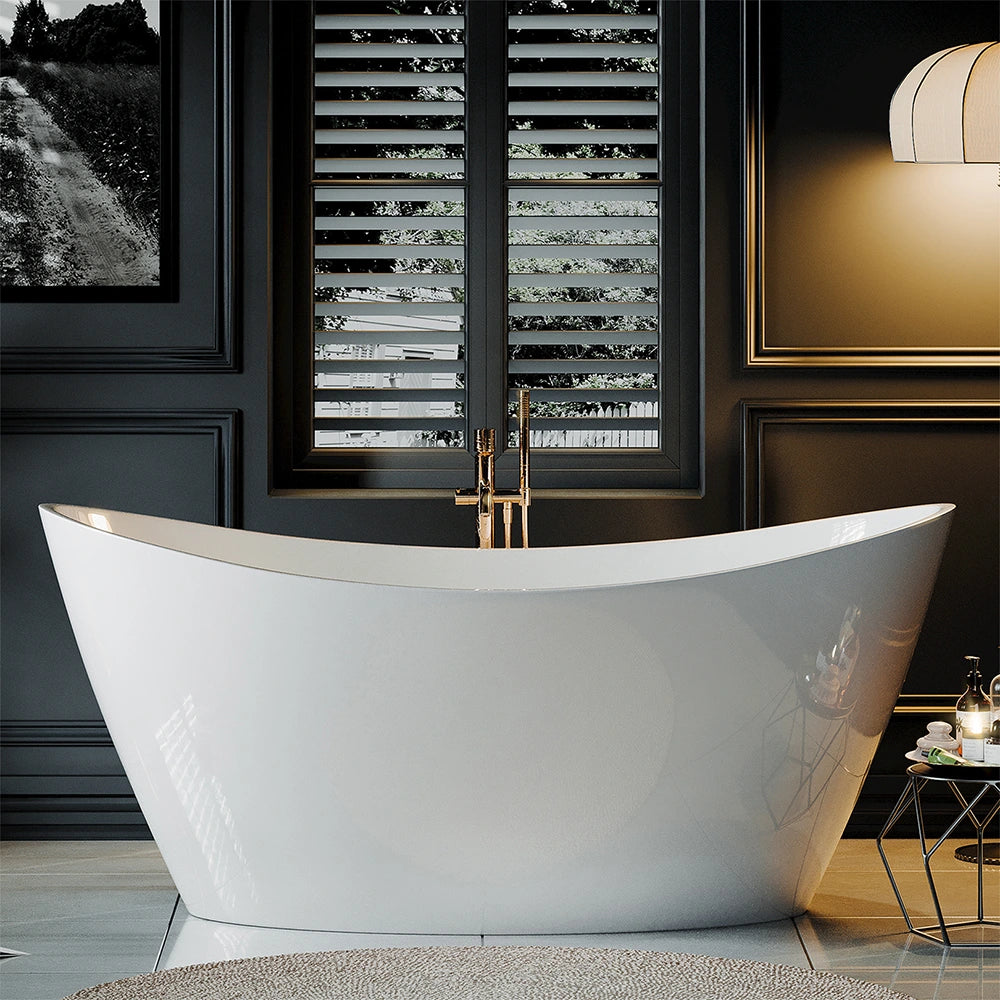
[(89, 912)]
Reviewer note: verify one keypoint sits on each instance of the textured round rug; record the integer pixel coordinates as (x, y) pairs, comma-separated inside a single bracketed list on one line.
[(488, 973)]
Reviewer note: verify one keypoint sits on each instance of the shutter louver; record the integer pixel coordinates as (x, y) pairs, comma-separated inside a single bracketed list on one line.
[(389, 228), (584, 221)]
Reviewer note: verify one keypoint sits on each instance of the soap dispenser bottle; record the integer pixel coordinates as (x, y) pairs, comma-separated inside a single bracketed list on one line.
[(972, 714)]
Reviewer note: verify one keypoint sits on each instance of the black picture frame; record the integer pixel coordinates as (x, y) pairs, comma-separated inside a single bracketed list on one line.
[(166, 290), (195, 329)]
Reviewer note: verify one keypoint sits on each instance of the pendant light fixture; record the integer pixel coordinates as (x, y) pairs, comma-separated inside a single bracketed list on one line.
[(947, 109)]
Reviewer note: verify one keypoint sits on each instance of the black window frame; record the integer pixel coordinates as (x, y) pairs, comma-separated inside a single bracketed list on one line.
[(297, 466)]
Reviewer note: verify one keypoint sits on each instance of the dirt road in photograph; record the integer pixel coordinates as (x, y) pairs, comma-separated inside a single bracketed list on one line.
[(84, 227)]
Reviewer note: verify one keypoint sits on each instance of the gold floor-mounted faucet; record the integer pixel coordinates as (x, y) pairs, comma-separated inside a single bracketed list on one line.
[(485, 495)]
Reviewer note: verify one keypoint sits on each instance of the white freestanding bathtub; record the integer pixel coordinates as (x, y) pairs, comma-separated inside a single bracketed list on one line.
[(345, 736)]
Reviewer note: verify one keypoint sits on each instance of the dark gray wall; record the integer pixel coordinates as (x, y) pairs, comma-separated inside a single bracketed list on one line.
[(162, 408)]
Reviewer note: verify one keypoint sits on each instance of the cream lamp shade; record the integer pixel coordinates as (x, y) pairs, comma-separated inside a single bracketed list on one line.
[(947, 109)]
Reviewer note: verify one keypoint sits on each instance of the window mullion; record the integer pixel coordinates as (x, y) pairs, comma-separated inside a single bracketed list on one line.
[(670, 226)]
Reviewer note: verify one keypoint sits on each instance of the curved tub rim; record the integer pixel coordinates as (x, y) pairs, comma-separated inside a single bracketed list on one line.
[(503, 570)]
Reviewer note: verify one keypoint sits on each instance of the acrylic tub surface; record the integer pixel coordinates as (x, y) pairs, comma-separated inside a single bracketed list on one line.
[(346, 736)]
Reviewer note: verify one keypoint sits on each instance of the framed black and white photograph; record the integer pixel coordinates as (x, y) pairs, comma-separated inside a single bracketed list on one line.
[(87, 152)]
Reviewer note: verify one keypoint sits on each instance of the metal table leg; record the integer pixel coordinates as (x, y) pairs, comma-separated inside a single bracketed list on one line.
[(911, 795), (904, 800)]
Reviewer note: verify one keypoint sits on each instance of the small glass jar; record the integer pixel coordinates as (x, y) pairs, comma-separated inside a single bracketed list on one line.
[(991, 748), (938, 735)]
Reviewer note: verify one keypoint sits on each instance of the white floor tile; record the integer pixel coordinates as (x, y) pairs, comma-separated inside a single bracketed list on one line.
[(869, 894), (81, 856), (930, 985), (877, 946), (777, 941), (115, 899), (39, 881), (861, 855), (86, 943), (880, 942), (101, 927), (50, 985), (192, 940)]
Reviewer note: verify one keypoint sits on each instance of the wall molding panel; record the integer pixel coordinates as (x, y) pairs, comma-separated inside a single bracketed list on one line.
[(914, 416), (55, 733), (62, 777), (223, 426)]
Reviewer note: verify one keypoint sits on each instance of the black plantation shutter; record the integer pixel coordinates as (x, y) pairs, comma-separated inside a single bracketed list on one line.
[(584, 221), (389, 262), (496, 195)]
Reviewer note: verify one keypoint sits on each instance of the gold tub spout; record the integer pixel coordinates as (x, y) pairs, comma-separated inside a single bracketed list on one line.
[(485, 495), (482, 493)]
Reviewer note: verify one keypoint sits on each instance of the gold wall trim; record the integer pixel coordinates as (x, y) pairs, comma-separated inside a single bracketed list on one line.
[(926, 704)]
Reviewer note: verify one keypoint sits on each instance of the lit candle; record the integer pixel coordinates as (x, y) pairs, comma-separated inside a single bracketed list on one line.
[(975, 723), (974, 726)]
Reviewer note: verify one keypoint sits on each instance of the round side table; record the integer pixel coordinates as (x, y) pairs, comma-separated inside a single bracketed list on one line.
[(979, 785)]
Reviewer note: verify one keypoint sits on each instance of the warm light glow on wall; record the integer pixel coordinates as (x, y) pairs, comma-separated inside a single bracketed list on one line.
[(879, 254)]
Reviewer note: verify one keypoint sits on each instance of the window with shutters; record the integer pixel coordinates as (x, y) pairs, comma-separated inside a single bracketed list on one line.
[(471, 197)]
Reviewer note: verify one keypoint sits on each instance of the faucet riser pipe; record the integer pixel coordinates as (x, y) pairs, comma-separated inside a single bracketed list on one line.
[(524, 454), (485, 494)]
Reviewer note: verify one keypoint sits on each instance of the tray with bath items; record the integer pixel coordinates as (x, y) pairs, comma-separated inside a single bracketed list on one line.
[(940, 750), (976, 743)]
